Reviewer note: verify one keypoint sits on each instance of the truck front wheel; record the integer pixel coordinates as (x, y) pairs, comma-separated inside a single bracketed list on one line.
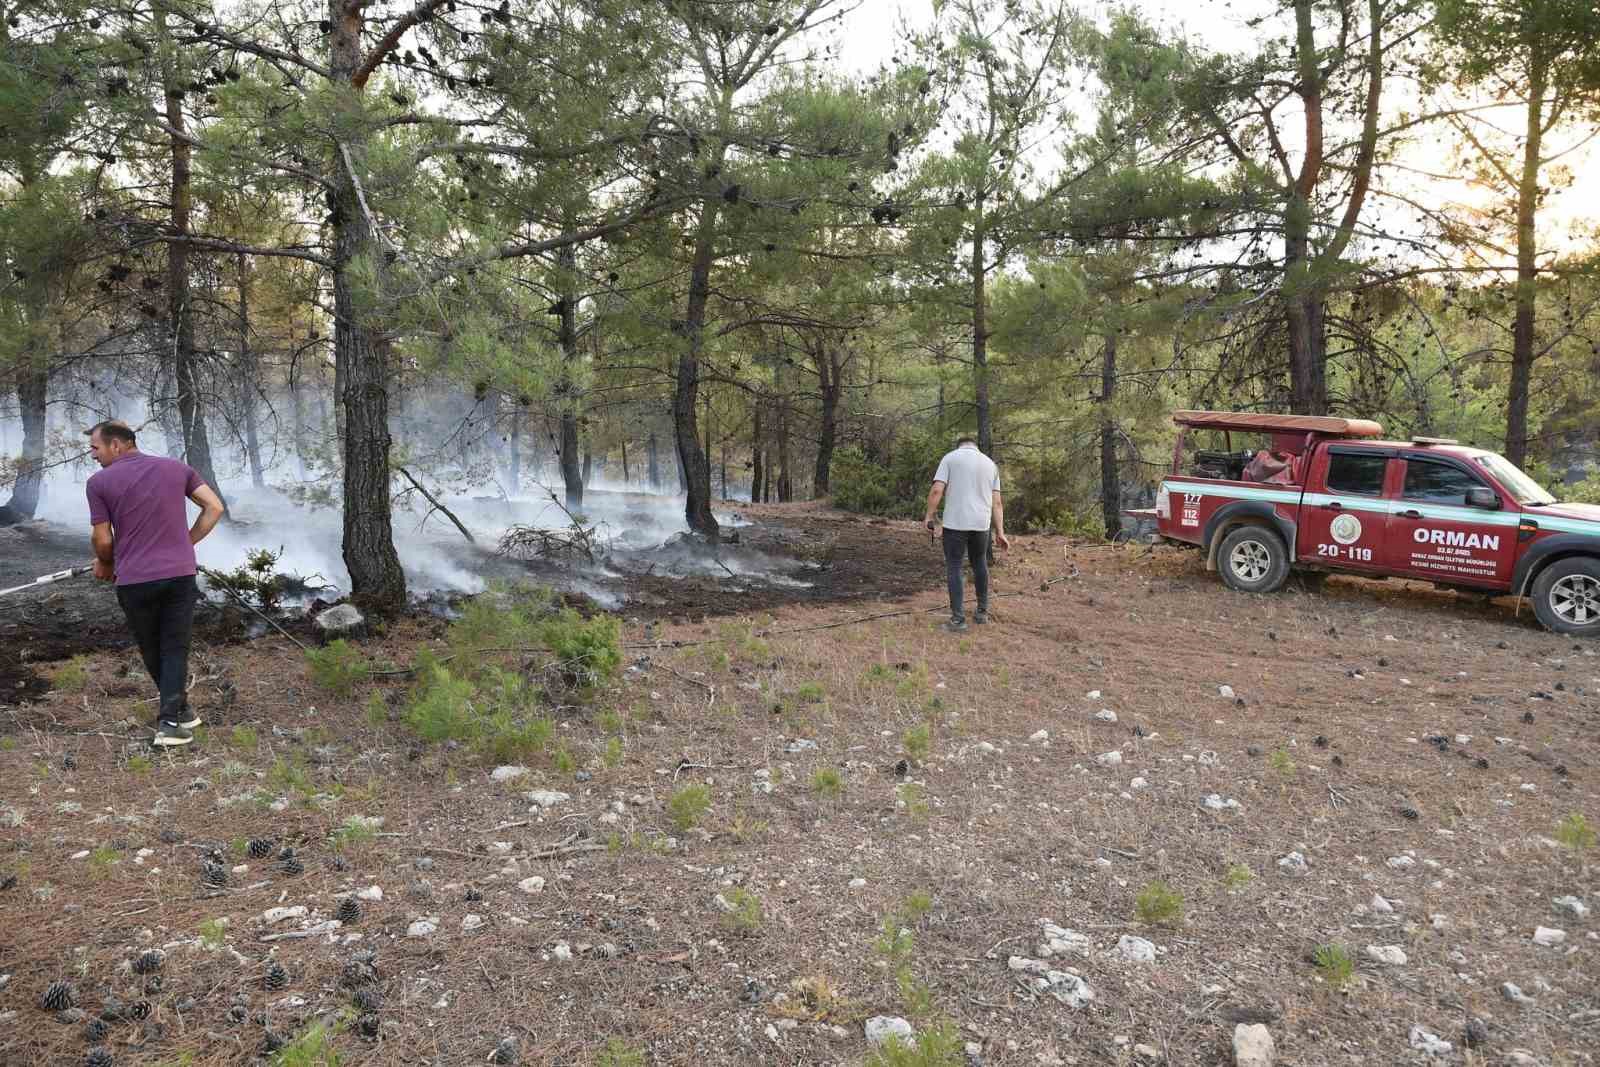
[(1566, 596), (1253, 559)]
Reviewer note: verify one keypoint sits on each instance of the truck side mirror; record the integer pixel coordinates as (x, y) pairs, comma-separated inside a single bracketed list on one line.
[(1483, 497)]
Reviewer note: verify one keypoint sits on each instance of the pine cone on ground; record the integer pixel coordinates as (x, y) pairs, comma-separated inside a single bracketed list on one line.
[(69, 762), (368, 998), (505, 1052), (276, 977), (349, 911), (149, 962), (59, 997), (96, 1031), (271, 1042), (139, 1009), (152, 985), (369, 1025), (260, 848), (214, 875), (358, 973), (238, 1013), (289, 863), (474, 894), (99, 1056)]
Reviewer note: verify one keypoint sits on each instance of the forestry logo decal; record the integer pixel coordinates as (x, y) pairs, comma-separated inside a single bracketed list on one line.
[(1346, 529)]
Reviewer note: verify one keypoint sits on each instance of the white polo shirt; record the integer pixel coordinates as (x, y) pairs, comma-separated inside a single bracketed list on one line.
[(970, 481)]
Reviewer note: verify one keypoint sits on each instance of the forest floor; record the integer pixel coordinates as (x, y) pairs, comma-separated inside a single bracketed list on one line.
[(1057, 834)]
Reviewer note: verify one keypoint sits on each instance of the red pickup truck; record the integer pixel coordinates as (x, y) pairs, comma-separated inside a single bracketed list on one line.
[(1327, 495)]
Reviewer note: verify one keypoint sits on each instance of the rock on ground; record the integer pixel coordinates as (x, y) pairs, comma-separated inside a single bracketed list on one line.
[(1253, 1046), (881, 1028), (340, 621)]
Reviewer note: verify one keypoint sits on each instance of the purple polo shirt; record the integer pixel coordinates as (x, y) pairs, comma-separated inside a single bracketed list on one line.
[(142, 497)]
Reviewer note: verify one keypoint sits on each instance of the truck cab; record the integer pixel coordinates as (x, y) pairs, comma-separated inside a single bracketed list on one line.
[(1330, 495)]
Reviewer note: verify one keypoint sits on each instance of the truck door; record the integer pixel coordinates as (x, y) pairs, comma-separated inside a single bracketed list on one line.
[(1434, 534), (1343, 515)]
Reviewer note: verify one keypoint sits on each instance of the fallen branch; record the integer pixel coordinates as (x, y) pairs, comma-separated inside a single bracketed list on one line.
[(437, 506)]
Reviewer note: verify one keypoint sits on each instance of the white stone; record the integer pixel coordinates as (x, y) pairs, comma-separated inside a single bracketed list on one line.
[(1059, 941), (1139, 783), (1521, 1057), (372, 892), (81, 854), (1462, 739), (1572, 905), (546, 798), (506, 772), (470, 923), (1147, 1052), (800, 745), (531, 885), (1253, 1046), (858, 883), (1105, 715), (881, 1028), (986, 748), (1040, 737), (1136, 949), (1093, 694), (422, 927), (1024, 965), (1225, 692), (277, 915), (1217, 802), (1110, 759), (339, 620), (1429, 1043), (1380, 905), (1400, 863), (1548, 936), (1388, 955), (562, 952), (1293, 863), (1068, 988)]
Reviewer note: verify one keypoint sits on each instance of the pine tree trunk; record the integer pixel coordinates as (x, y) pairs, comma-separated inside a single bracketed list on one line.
[(828, 370), (1110, 484), (573, 475), (250, 379), (33, 386), (514, 476), (785, 483), (180, 317), (692, 459), (653, 462), (627, 476), (377, 581), (980, 335), (1522, 328), (755, 452)]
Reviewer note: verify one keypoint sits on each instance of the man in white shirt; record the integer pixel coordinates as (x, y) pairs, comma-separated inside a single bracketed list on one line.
[(969, 484)]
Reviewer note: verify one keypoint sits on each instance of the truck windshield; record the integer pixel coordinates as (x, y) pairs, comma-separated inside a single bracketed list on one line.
[(1508, 474)]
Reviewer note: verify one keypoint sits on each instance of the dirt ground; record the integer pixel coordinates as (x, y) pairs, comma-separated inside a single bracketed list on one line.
[(886, 832)]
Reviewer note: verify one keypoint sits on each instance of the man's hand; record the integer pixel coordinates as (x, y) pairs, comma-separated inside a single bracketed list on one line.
[(104, 571), (1001, 539)]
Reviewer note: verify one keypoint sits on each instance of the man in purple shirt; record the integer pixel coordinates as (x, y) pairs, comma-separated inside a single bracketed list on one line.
[(141, 538)]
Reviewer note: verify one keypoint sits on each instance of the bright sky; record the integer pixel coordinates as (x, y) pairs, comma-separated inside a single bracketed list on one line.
[(1568, 219)]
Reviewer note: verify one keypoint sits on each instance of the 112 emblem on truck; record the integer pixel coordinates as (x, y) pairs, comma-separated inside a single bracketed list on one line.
[(1330, 496)]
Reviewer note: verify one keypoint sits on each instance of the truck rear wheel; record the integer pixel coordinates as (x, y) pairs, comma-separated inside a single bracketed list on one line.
[(1566, 596), (1253, 559)]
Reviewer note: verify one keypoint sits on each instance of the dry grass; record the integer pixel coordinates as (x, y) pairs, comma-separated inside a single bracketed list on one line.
[(960, 861)]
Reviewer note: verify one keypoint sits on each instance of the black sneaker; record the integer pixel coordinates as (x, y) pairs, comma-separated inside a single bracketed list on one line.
[(980, 617), (171, 735), (956, 625)]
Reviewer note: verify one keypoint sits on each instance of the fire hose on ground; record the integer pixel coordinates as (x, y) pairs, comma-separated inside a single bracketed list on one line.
[(47, 579)]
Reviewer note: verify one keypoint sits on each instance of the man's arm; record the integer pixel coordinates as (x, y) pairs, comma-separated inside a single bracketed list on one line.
[(210, 513), (935, 495), (998, 507), (103, 543)]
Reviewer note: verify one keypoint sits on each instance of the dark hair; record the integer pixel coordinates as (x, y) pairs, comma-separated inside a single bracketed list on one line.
[(113, 430), (966, 439)]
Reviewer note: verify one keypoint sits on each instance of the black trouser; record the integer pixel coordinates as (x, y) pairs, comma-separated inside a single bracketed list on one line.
[(974, 544), (161, 616)]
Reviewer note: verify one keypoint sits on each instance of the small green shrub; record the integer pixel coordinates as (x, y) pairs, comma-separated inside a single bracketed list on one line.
[(587, 651), (377, 709), (744, 915), (917, 742), (915, 799), (213, 933), (1280, 763), (314, 1048), (505, 738), (354, 831), (613, 753), (610, 722), (1575, 832), (563, 760), (244, 737), (1237, 876), (338, 667), (256, 581), (290, 777), (688, 806), (441, 705), (139, 764), (858, 484), (810, 693), (102, 859), (1335, 965), (828, 782), (618, 1053), (934, 1046), (1158, 904), (71, 676)]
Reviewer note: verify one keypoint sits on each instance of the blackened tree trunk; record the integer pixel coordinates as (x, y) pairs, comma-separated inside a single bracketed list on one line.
[(830, 369), (653, 462), (755, 452), (514, 475), (785, 482), (33, 386), (1522, 327), (376, 578), (249, 379), (573, 474), (692, 458), (1110, 484), (627, 476), (180, 313)]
